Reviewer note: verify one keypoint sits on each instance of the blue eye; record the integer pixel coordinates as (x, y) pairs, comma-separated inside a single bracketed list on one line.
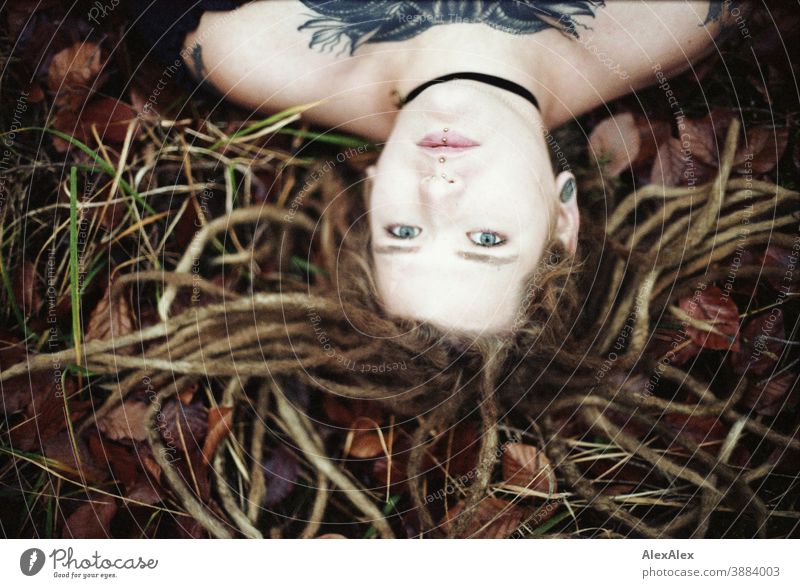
[(486, 238), (403, 231)]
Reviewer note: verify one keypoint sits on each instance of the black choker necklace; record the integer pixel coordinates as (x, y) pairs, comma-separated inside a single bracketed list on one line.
[(495, 81)]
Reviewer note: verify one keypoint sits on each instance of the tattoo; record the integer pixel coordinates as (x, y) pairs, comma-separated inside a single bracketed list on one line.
[(732, 15), (348, 24), (198, 71), (198, 67)]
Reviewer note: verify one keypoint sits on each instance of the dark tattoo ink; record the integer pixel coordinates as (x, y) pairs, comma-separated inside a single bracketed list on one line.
[(198, 71), (731, 14), (198, 67), (345, 25)]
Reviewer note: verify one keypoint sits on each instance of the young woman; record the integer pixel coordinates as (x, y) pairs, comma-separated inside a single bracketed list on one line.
[(462, 96)]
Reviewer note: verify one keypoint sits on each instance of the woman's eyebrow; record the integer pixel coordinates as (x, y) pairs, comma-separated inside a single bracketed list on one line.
[(468, 255), (490, 259)]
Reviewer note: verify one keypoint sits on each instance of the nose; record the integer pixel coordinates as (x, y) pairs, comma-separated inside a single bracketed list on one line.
[(440, 186)]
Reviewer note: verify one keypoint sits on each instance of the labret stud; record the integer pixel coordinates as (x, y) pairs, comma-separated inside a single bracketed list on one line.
[(445, 129), (442, 160)]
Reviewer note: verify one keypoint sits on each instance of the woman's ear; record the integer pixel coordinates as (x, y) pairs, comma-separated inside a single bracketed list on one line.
[(568, 222)]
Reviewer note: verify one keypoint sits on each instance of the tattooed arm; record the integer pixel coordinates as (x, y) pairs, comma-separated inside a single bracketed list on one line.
[(196, 67)]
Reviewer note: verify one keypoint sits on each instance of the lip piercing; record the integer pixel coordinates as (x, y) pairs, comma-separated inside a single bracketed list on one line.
[(445, 129), (444, 139), (442, 160)]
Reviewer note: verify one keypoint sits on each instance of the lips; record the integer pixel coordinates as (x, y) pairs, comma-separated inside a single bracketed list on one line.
[(450, 141)]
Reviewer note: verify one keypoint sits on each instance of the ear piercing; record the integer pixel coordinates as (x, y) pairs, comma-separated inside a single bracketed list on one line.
[(568, 190)]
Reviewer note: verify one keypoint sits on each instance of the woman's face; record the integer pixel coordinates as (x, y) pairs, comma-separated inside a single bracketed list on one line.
[(463, 202)]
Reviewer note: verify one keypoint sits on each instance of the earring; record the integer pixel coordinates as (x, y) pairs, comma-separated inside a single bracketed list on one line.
[(568, 190)]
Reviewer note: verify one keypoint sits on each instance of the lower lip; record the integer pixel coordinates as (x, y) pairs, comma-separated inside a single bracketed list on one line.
[(454, 141)]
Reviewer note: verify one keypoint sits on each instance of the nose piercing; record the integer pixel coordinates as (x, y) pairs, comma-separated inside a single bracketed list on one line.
[(442, 160), (445, 129)]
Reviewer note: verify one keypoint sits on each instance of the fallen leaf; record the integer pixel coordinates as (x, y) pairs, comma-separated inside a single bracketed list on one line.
[(761, 150), (110, 319), (126, 421), (343, 411), (615, 143), (699, 138), (26, 288), (110, 117), (91, 520), (719, 312), (220, 419), (524, 465), (60, 448), (281, 470), (44, 417), (763, 346), (778, 393), (699, 429), (781, 258), (18, 393), (179, 423), (120, 460), (456, 451), (493, 518), (72, 73), (676, 165), (364, 440), (669, 163)]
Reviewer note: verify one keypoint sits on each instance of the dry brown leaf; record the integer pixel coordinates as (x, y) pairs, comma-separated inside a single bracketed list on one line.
[(764, 346), (493, 518), (762, 149), (615, 143), (669, 164), (126, 421), (780, 392), (281, 470), (220, 419), (652, 133), (91, 520), (524, 465), (25, 288), (72, 73), (701, 140), (110, 320), (719, 312), (365, 440)]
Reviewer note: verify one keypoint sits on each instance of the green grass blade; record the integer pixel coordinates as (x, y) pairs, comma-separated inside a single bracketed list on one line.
[(74, 286), (126, 187)]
